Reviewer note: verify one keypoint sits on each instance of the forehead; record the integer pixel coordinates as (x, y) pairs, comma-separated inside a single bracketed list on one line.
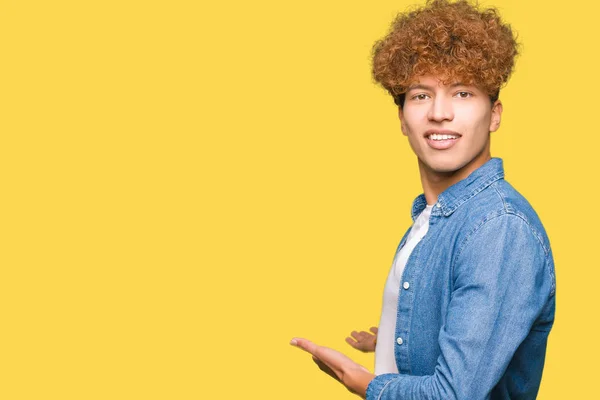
[(433, 82)]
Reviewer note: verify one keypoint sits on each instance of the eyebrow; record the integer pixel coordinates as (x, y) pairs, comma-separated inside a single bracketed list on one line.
[(427, 87)]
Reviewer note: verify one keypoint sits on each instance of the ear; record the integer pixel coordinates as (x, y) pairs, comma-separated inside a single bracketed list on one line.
[(401, 117), (496, 116)]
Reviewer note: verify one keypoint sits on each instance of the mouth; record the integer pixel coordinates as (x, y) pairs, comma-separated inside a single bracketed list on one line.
[(441, 139)]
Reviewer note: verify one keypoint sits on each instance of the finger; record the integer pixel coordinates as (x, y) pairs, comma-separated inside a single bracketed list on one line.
[(355, 335), (331, 357), (357, 345), (353, 343), (374, 329), (305, 345)]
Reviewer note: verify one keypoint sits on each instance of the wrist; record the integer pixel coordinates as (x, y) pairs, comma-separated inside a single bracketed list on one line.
[(357, 380)]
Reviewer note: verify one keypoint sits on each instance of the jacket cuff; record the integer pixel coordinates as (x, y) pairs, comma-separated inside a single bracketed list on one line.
[(377, 385)]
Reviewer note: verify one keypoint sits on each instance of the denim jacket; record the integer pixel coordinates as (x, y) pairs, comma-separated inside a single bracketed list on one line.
[(477, 297)]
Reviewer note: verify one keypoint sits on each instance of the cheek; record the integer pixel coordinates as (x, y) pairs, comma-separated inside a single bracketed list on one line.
[(411, 121), (478, 127), (405, 128), (484, 125), (409, 131)]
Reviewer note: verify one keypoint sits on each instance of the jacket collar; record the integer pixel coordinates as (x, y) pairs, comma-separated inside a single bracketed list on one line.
[(455, 195)]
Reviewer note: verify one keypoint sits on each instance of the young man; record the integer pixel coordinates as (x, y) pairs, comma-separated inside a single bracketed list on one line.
[(470, 299)]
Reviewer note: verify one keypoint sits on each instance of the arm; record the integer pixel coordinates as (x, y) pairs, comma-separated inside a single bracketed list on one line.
[(355, 377), (501, 284)]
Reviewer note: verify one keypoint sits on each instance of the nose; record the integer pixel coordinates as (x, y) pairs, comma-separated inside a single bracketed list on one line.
[(441, 109)]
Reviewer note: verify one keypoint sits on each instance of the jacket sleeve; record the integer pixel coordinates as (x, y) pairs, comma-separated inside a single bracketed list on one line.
[(501, 283)]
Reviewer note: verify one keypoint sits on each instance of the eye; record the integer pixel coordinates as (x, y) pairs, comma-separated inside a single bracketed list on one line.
[(420, 97), (463, 95)]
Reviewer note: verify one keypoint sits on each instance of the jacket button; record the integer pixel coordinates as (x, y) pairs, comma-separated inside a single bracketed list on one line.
[(406, 285), (399, 340)]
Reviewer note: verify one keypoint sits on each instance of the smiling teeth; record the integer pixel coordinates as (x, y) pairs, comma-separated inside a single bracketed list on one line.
[(442, 137)]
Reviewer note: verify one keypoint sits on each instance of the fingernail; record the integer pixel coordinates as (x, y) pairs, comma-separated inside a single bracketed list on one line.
[(293, 342)]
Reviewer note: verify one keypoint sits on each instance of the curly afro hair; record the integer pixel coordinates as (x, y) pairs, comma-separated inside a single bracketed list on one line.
[(453, 40)]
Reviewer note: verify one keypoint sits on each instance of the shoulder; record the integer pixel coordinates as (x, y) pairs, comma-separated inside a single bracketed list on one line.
[(500, 204), (499, 223), (516, 205)]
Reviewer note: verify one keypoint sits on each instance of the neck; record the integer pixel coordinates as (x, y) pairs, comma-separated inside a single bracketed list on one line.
[(435, 182)]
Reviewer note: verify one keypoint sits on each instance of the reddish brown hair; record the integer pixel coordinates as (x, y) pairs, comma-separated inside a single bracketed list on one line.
[(453, 40)]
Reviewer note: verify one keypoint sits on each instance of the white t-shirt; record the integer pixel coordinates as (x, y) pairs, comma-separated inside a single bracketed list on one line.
[(385, 360)]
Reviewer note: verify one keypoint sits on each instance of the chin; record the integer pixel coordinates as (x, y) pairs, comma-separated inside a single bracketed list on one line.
[(445, 167)]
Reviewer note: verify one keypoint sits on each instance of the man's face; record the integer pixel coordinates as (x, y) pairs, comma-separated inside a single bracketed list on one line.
[(448, 126)]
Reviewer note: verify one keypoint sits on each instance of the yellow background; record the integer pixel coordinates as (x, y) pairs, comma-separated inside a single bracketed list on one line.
[(186, 185)]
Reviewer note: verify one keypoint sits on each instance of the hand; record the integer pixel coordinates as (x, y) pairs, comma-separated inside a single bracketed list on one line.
[(355, 377), (363, 341)]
